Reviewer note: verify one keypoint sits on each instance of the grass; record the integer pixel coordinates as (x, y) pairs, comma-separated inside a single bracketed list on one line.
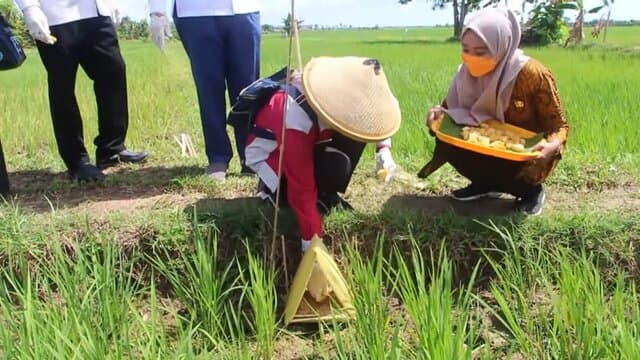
[(160, 262)]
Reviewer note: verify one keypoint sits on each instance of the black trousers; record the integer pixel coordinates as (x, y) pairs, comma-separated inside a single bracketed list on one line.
[(93, 45), (487, 171), (4, 177), (334, 163)]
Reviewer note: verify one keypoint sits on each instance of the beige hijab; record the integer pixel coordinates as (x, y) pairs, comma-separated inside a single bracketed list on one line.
[(473, 100)]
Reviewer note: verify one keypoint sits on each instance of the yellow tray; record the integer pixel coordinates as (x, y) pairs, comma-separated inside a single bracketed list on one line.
[(450, 132)]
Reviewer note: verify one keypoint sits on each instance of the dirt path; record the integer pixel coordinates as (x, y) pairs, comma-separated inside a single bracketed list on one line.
[(365, 194)]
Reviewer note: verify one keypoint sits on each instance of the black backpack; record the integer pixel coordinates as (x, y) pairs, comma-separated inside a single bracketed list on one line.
[(252, 98), (11, 53)]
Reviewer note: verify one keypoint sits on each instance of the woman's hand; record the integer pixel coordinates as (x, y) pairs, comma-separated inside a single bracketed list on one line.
[(548, 149), (435, 113)]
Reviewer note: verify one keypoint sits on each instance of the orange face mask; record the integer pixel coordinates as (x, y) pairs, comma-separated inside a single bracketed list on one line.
[(478, 65)]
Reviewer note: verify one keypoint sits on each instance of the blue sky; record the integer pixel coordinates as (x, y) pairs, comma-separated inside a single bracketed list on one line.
[(373, 12)]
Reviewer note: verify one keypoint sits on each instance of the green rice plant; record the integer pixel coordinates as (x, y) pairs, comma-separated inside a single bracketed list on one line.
[(580, 312), (73, 305), (624, 325), (440, 318), (260, 290), (521, 270), (375, 333), (199, 282)]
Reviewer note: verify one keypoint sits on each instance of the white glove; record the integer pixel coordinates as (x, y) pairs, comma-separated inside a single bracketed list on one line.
[(304, 245), (385, 166), (160, 29), (115, 16), (38, 24)]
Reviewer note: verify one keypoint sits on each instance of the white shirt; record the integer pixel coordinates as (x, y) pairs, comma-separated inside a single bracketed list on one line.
[(192, 8), (65, 11)]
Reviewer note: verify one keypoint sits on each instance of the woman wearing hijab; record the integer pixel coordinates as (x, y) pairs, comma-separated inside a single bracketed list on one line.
[(497, 81)]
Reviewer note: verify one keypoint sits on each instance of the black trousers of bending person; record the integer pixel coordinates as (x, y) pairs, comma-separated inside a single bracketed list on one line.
[(334, 163), (93, 45)]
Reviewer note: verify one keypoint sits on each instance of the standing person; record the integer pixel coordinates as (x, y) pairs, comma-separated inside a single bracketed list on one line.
[(4, 176), (338, 106), (222, 40), (76, 33), (497, 81)]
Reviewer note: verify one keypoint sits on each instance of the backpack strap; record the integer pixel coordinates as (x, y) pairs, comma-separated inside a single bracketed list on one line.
[(301, 100)]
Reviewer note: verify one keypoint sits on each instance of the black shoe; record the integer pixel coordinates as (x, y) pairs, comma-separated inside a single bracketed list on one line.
[(86, 173), (328, 201), (246, 171), (266, 195), (125, 156), (473, 192), (532, 204)]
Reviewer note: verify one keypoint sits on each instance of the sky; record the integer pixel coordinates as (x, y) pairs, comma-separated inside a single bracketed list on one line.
[(374, 12)]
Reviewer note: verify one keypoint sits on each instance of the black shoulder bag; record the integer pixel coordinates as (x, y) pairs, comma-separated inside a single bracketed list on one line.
[(11, 53)]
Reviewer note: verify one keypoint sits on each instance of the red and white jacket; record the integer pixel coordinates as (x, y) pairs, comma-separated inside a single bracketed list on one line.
[(301, 135)]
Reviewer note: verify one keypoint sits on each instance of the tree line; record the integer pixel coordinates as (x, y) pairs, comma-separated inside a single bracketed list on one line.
[(128, 29), (546, 22)]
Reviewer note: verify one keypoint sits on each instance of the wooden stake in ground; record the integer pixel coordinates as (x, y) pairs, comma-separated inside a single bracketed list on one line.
[(186, 146)]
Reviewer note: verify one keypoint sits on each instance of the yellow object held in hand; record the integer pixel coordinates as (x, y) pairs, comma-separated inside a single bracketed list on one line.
[(382, 174)]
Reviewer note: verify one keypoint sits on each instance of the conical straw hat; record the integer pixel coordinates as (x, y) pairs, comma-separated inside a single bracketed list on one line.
[(352, 95)]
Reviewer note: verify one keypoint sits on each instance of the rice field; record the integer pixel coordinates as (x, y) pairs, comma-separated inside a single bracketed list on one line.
[(160, 262)]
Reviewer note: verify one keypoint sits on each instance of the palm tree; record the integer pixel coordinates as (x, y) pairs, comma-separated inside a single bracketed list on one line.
[(577, 31)]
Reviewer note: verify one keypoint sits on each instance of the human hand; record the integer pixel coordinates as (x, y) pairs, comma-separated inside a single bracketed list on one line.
[(434, 114), (385, 166), (115, 16), (160, 29), (114, 12), (547, 148), (38, 24)]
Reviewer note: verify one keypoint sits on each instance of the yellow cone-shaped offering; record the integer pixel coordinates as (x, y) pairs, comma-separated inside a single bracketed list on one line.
[(319, 291)]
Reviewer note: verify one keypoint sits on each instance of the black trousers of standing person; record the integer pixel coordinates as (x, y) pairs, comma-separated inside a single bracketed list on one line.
[(93, 45), (4, 177)]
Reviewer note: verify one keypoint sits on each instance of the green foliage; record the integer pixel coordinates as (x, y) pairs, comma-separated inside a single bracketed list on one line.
[(130, 29), (286, 23), (461, 8), (545, 25)]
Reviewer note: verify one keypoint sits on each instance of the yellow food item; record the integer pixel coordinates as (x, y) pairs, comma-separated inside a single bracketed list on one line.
[(494, 138), (516, 147)]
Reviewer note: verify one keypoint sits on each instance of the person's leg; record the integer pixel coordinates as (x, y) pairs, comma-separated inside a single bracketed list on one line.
[(204, 45), (103, 63), (334, 167), (242, 44), (4, 176), (532, 200), (489, 176), (61, 62)]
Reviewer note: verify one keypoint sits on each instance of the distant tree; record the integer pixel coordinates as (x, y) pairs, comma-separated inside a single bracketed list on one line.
[(130, 29), (545, 24), (267, 28), (286, 22), (461, 8), (577, 30)]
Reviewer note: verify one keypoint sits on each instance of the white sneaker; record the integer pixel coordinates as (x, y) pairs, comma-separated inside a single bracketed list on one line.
[(217, 171)]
